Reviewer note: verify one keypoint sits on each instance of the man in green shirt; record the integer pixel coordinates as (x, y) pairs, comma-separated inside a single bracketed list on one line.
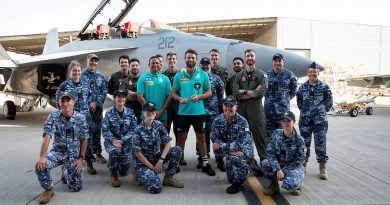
[(190, 87)]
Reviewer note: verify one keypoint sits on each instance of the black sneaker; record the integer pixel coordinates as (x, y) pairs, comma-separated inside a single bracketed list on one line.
[(235, 188), (208, 170), (200, 163), (221, 165)]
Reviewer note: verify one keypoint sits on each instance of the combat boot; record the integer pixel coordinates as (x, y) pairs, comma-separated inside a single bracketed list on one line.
[(170, 181), (235, 188), (323, 172), (305, 167), (182, 160), (101, 159), (297, 192), (135, 180), (63, 180), (221, 164), (272, 188), (115, 179), (46, 196), (91, 170)]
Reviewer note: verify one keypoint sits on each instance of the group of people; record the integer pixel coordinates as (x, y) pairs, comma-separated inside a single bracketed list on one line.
[(136, 129)]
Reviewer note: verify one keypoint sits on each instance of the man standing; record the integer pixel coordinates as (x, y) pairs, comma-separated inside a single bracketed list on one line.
[(212, 106), (119, 124), (126, 79), (282, 87), (69, 131), (155, 87), (98, 87), (249, 87), (152, 148), (238, 65), (173, 107), (215, 67), (231, 137), (190, 87), (314, 99)]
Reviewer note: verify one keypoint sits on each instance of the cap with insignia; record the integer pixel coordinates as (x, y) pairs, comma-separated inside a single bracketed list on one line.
[(204, 60), (150, 106), (230, 100), (67, 94), (313, 65), (278, 55), (91, 56), (120, 92), (288, 115)]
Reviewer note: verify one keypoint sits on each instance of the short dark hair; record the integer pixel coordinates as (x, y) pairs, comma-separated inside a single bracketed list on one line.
[(190, 50), (124, 57), (171, 54), (153, 57), (249, 50), (134, 60), (159, 56), (238, 58), (214, 50)]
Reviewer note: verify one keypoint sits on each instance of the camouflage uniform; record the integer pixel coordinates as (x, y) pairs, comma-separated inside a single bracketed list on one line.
[(82, 97), (234, 136), (173, 108), (213, 106), (287, 155), (314, 101), (252, 109), (121, 128), (119, 82), (282, 87), (148, 142), (67, 135), (98, 87)]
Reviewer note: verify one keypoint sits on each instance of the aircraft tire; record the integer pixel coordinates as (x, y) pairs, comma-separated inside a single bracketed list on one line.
[(9, 110), (369, 110), (353, 112)]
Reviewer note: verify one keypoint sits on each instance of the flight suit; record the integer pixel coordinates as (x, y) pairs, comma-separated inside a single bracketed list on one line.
[(148, 142), (221, 72), (282, 87), (173, 108), (67, 135), (314, 101), (119, 82), (252, 109), (82, 96), (229, 85), (234, 136), (121, 127), (98, 87), (287, 155)]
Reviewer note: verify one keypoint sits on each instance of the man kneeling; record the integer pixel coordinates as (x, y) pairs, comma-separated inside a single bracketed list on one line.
[(69, 132), (149, 138), (230, 134)]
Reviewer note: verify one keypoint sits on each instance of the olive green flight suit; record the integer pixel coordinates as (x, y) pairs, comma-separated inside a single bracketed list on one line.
[(252, 109)]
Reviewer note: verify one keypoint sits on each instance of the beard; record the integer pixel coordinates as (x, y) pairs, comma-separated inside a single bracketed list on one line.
[(190, 64), (250, 62)]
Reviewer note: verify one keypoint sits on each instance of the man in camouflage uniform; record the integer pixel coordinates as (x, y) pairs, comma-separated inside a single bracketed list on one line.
[(286, 153), (126, 79), (249, 87), (282, 87), (118, 128), (212, 106), (173, 107), (82, 95), (215, 67), (98, 87), (314, 99), (238, 65), (69, 132), (152, 148), (231, 137)]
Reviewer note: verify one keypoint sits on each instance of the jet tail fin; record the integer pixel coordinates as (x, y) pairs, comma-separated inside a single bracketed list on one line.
[(3, 54), (51, 40)]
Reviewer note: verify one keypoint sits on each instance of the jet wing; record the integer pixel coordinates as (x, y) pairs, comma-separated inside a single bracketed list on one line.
[(370, 81), (66, 56)]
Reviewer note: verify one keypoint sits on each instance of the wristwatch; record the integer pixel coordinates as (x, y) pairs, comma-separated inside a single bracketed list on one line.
[(162, 158)]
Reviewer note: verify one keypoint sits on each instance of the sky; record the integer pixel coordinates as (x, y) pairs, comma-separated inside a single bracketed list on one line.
[(38, 16)]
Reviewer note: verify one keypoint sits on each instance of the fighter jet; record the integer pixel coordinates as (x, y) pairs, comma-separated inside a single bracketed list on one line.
[(28, 78)]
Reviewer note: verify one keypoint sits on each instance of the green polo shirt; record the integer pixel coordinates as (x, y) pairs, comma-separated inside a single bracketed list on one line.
[(155, 88), (187, 86)]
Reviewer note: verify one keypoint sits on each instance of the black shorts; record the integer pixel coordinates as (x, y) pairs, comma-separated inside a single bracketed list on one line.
[(184, 123)]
